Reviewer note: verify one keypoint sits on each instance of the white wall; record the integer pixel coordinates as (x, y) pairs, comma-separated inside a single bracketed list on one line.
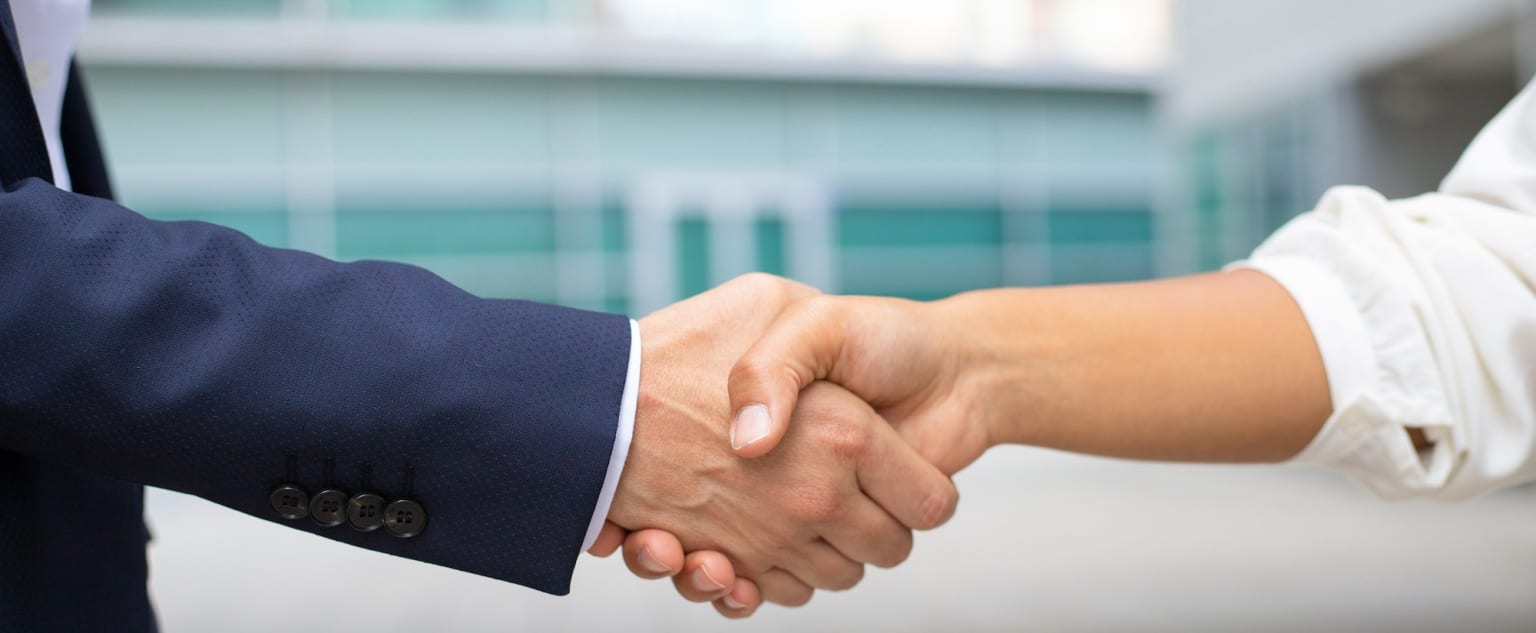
[(1042, 541)]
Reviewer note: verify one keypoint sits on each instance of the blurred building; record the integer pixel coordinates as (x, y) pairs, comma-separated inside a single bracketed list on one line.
[(616, 154), (1271, 102), (622, 154)]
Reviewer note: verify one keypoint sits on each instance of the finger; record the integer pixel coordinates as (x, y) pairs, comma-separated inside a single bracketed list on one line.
[(912, 490), (609, 538), (707, 576), (742, 601), (653, 554), (781, 587), (866, 533), (799, 348), (821, 566)]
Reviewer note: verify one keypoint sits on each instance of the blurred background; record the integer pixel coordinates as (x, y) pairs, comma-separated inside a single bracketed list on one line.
[(621, 154)]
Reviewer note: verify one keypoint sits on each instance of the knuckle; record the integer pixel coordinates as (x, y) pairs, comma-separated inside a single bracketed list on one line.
[(937, 507), (748, 369), (847, 438), (816, 504), (761, 284), (751, 369), (755, 279)]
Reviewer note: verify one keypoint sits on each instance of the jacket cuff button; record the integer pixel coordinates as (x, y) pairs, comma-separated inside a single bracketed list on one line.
[(329, 508), (290, 502), (405, 518), (366, 512)]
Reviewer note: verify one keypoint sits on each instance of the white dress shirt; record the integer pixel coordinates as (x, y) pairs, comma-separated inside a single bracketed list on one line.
[(1424, 310), (48, 32)]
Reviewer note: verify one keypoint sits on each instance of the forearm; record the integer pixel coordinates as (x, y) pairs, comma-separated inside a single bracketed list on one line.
[(1218, 367), (184, 355)]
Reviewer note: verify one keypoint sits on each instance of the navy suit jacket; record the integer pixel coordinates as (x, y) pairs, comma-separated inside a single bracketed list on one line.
[(186, 356)]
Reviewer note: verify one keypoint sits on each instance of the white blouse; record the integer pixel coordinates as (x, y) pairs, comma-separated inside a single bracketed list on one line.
[(1424, 310)]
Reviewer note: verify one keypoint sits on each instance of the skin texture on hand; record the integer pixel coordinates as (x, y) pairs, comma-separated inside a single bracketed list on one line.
[(842, 489)]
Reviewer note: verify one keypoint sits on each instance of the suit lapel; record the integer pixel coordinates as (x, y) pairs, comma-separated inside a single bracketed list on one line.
[(8, 24), (25, 154)]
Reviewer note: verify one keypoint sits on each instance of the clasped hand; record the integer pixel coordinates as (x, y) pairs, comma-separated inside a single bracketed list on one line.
[(776, 447)]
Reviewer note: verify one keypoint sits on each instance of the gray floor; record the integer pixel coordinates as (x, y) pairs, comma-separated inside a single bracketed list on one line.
[(1043, 541)]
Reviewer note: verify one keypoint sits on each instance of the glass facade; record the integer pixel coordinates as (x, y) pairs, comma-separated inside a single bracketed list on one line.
[(627, 191), (506, 184)]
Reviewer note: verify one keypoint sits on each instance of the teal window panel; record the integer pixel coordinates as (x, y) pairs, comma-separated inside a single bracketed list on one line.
[(199, 7), (204, 118), (615, 227), (1206, 173), (1211, 257), (389, 233), (919, 272), (1210, 198), (879, 124), (617, 305), (694, 275), (770, 246), (1100, 263), (1093, 226), (1098, 128), (693, 123), (269, 228), (413, 118), (859, 226), (693, 256)]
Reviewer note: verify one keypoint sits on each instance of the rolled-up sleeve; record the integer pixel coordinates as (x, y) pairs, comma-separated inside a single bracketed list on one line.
[(1425, 316), (1424, 311)]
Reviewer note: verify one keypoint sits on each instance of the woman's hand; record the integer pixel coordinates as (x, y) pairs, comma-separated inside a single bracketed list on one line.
[(917, 363), (1216, 367)]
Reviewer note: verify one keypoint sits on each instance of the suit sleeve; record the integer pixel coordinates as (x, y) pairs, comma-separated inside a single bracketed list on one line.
[(186, 356)]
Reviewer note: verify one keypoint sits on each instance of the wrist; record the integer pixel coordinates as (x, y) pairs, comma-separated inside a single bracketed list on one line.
[(1003, 369)]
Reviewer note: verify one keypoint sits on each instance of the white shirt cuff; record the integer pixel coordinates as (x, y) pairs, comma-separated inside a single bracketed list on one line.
[(1342, 338), (1381, 374), (621, 438)]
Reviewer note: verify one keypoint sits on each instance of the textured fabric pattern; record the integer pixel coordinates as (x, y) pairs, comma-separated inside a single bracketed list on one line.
[(186, 356)]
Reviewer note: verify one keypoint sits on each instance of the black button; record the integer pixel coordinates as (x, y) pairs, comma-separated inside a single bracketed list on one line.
[(366, 512), (329, 507), (405, 518), (290, 502)]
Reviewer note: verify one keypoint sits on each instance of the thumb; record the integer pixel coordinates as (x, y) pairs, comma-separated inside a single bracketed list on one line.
[(797, 349)]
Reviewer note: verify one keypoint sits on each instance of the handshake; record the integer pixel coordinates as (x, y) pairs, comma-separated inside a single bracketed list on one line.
[(786, 439)]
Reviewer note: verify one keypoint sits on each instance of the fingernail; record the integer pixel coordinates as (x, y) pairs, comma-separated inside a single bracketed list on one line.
[(752, 424), (730, 601), (651, 564), (705, 582)]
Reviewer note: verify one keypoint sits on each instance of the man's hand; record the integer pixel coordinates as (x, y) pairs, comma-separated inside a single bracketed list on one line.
[(842, 490)]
